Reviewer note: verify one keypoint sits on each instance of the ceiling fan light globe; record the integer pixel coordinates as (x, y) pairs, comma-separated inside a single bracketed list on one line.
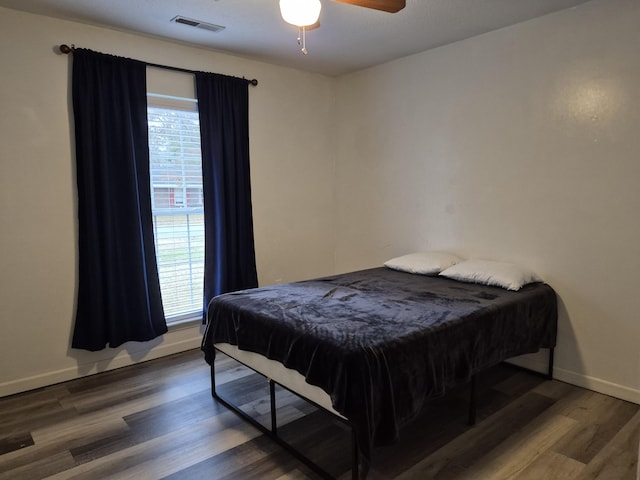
[(300, 13)]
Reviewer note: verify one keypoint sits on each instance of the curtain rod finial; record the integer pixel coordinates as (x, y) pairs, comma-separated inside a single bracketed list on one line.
[(66, 48)]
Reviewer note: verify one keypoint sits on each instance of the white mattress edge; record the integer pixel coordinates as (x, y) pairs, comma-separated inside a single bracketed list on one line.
[(282, 375)]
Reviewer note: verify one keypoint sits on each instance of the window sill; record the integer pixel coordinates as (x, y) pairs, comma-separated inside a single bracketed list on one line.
[(185, 323)]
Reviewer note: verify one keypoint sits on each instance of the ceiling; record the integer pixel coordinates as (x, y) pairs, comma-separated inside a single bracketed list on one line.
[(349, 38)]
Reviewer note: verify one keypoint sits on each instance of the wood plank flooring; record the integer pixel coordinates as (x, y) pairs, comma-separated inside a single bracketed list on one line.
[(157, 420)]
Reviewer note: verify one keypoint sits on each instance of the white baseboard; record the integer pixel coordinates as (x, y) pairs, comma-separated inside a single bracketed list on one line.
[(598, 385), (538, 363), (122, 359)]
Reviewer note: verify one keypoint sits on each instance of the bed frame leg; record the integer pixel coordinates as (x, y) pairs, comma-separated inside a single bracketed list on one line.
[(551, 358), (272, 397), (213, 380), (355, 461), (473, 397)]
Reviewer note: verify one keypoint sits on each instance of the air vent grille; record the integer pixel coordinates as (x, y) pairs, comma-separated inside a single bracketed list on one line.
[(197, 24)]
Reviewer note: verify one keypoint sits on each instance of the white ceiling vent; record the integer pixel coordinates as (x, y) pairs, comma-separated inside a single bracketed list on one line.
[(197, 23)]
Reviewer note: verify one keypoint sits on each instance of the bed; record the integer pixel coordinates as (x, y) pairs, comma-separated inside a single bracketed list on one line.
[(373, 346)]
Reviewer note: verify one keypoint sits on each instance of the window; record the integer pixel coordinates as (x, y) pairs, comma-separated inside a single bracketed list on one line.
[(176, 196)]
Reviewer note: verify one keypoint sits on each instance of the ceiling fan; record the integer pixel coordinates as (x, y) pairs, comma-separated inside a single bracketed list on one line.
[(391, 6), (304, 14)]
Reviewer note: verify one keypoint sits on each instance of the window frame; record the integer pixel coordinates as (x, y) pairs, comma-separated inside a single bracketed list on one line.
[(179, 104)]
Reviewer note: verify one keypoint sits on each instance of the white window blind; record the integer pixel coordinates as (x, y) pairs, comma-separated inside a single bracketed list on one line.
[(176, 191)]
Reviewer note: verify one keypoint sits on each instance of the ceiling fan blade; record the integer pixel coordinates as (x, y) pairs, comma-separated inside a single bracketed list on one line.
[(391, 6)]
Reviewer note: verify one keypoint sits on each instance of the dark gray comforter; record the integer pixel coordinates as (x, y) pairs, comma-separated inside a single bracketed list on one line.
[(381, 342)]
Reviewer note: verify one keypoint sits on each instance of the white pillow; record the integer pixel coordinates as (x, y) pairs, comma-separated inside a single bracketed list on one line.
[(487, 272), (424, 263)]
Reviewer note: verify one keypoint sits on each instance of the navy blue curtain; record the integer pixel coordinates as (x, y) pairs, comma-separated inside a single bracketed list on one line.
[(119, 291), (230, 263)]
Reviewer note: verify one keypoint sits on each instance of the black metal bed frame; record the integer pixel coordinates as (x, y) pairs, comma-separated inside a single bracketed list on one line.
[(273, 431)]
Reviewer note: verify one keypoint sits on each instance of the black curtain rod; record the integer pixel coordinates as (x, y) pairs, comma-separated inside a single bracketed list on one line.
[(68, 49)]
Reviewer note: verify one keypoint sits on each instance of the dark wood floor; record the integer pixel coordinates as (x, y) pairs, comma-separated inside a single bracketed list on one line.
[(157, 420)]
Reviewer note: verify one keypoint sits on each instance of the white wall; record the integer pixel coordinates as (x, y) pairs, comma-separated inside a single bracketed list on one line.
[(522, 145), (292, 156)]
